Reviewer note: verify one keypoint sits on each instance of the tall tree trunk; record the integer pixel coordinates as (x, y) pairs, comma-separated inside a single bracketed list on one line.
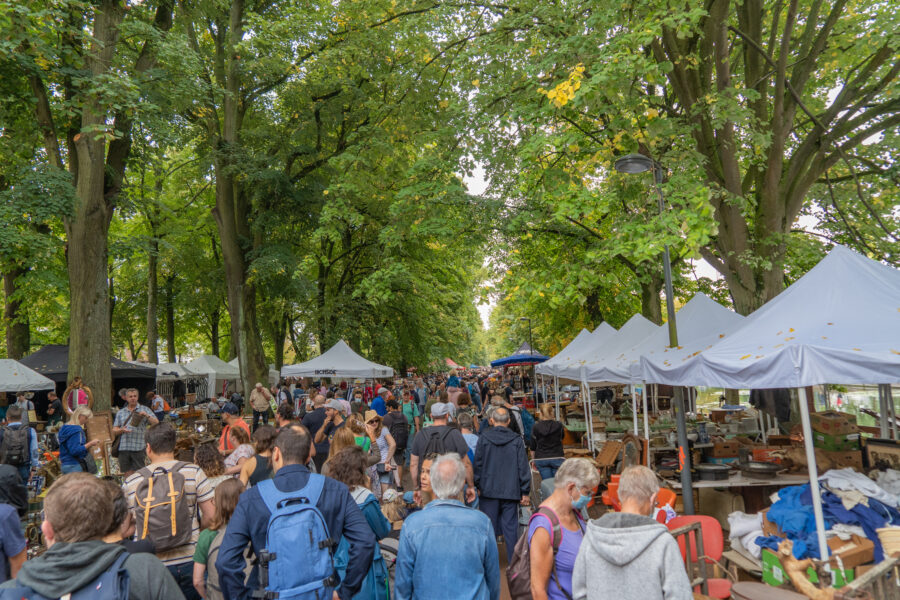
[(232, 206), (170, 319), (18, 330), (279, 340), (214, 331), (152, 300)]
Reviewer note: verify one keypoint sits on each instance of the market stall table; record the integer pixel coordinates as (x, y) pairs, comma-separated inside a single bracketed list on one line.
[(741, 480)]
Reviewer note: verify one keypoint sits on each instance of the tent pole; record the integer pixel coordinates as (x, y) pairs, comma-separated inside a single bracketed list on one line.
[(684, 450), (588, 413), (644, 391), (888, 394), (813, 474), (556, 394), (882, 405), (634, 409)]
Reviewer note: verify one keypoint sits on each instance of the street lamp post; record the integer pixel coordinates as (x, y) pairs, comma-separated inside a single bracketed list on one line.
[(638, 163), (530, 345)]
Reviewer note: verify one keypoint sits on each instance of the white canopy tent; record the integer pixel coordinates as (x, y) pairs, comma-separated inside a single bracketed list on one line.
[(172, 371), (839, 323), (340, 361), (631, 335), (218, 372), (16, 377), (702, 323), (546, 367), (569, 367), (274, 375)]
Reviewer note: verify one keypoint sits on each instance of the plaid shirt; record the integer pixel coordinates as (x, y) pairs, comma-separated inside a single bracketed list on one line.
[(133, 441)]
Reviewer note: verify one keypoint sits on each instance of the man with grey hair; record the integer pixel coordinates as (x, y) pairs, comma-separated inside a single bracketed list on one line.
[(503, 476), (447, 528), (631, 549)]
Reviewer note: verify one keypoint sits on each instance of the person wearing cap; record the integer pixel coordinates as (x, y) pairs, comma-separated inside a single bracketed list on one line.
[(379, 402), (232, 419), (442, 435), (260, 402), (334, 420)]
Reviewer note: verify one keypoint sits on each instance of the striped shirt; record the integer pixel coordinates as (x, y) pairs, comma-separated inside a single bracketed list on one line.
[(133, 441), (197, 489)]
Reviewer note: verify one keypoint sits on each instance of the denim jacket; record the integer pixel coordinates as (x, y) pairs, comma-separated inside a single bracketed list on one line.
[(447, 532)]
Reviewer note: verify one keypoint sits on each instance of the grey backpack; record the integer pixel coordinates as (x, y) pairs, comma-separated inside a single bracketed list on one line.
[(163, 512), (213, 589)]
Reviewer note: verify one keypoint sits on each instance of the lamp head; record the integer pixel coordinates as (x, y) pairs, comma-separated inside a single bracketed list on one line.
[(633, 163)]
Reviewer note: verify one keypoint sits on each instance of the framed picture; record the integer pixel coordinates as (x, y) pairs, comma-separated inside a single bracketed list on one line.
[(882, 453)]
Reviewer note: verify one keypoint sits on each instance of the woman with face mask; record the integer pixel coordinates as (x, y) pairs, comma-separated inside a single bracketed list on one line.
[(558, 523)]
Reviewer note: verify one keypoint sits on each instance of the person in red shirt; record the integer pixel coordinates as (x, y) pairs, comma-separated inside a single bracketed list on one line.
[(231, 418)]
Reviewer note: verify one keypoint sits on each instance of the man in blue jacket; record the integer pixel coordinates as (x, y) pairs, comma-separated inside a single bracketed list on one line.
[(503, 476), (447, 550), (250, 520)]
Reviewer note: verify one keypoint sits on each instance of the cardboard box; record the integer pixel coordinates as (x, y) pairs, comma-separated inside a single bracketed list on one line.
[(833, 422), (849, 458), (769, 528), (773, 573), (853, 552), (836, 443), (727, 449)]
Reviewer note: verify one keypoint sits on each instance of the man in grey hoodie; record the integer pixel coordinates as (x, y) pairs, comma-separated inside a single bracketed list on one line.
[(628, 555), (78, 513)]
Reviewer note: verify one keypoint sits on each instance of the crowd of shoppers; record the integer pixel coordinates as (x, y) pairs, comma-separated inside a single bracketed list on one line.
[(227, 525)]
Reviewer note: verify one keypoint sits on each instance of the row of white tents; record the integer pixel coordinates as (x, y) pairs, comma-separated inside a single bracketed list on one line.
[(839, 323)]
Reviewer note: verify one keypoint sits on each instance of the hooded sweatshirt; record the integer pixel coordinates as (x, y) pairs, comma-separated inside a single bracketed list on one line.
[(629, 557), (71, 444), (501, 466), (66, 568)]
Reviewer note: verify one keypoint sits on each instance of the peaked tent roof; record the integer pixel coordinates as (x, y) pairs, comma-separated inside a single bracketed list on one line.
[(172, 371), (546, 368), (16, 377), (569, 367), (53, 361), (210, 364), (702, 322), (632, 333), (274, 375), (524, 355), (839, 323), (339, 361)]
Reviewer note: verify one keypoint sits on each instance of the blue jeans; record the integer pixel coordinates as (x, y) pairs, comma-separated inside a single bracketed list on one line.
[(71, 469), (24, 473), (184, 577), (548, 467)]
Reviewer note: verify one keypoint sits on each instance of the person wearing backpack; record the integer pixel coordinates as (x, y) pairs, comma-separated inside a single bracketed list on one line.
[(555, 532), (78, 512), (18, 444), (440, 438), (292, 523), (169, 497), (398, 426), (206, 577)]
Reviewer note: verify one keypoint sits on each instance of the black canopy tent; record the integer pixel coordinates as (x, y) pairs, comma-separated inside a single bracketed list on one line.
[(53, 361)]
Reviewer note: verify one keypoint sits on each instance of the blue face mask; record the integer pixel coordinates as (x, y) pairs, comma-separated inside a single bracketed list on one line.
[(581, 502)]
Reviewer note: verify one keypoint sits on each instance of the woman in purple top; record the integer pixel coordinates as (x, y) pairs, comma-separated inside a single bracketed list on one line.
[(574, 486)]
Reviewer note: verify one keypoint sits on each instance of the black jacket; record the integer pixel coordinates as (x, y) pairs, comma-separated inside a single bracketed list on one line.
[(501, 466)]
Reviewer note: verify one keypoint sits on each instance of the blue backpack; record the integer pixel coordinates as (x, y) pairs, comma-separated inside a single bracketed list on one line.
[(297, 563), (113, 584)]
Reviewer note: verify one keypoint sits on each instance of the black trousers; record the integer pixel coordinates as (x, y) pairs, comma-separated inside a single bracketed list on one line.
[(504, 516), (257, 415)]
